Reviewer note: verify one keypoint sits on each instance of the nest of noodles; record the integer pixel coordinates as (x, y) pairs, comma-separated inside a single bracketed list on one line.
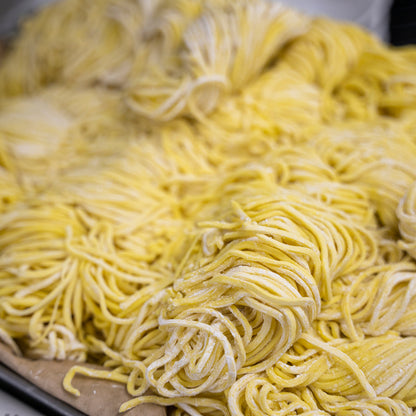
[(216, 202)]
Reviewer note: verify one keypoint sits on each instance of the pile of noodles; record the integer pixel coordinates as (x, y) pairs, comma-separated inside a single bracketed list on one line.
[(214, 200)]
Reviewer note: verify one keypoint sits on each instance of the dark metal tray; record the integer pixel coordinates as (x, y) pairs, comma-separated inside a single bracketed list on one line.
[(32, 395)]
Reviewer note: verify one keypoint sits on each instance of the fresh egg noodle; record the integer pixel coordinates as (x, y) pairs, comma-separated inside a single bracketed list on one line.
[(407, 223), (214, 201)]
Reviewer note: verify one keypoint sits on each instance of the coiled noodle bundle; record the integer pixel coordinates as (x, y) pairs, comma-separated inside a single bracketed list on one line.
[(213, 202)]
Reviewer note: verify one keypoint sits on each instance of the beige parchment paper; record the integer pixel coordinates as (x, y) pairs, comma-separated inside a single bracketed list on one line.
[(98, 397)]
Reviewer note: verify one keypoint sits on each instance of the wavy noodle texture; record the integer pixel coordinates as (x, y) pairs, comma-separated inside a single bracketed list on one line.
[(407, 220), (216, 56), (379, 160), (373, 301), (392, 83), (394, 380), (340, 46), (214, 202)]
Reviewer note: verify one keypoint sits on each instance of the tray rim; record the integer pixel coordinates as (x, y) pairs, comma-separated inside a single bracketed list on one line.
[(25, 391)]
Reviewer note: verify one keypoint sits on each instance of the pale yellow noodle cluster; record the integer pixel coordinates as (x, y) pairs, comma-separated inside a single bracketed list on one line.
[(406, 213), (216, 202)]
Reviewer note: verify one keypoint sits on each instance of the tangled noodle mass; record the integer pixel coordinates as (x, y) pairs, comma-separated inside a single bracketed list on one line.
[(214, 201)]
